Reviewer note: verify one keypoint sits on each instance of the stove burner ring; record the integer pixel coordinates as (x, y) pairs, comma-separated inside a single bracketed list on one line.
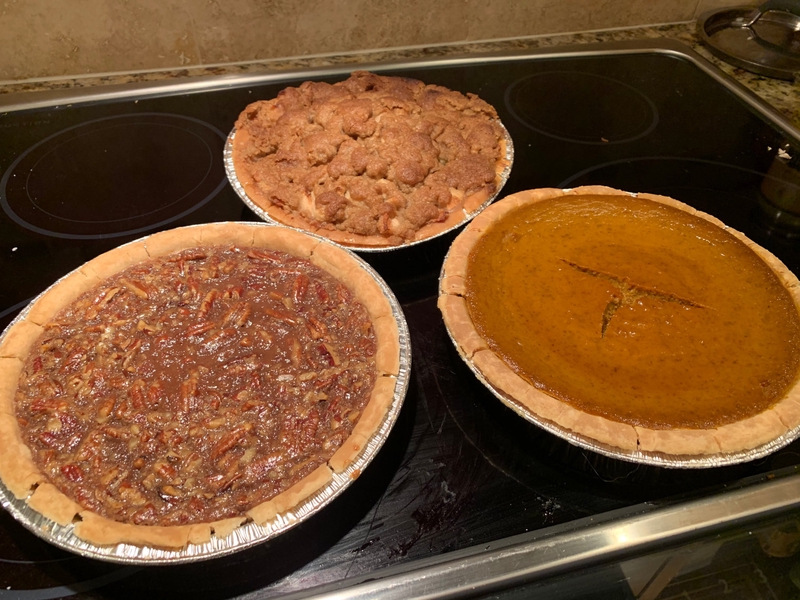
[(589, 176), (115, 176), (583, 108)]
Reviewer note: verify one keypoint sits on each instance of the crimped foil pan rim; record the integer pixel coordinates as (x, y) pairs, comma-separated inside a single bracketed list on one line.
[(263, 215), (657, 459), (249, 534)]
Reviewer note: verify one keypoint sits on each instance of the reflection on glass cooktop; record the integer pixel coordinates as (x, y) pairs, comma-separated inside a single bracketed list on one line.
[(582, 108), (459, 469)]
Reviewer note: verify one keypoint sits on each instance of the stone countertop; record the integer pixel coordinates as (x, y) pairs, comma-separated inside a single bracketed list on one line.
[(783, 95)]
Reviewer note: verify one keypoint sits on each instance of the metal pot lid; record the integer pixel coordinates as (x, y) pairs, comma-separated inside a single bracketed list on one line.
[(764, 40)]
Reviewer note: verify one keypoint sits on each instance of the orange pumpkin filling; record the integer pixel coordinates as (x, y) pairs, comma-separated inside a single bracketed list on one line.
[(635, 311)]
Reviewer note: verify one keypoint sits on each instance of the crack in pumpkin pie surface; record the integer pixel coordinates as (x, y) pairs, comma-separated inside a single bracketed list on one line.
[(629, 293), (719, 345)]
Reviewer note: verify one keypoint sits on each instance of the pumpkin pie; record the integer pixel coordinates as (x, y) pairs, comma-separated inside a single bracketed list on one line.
[(630, 320), (182, 385)]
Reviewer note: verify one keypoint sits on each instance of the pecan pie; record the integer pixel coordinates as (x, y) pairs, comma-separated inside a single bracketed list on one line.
[(178, 386), (634, 321), (372, 160)]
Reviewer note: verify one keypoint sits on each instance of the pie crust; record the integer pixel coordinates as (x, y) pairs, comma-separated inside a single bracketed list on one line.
[(25, 481), (618, 438), (247, 159)]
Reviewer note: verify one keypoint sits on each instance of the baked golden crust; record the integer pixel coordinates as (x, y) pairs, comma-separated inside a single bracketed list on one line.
[(174, 240), (23, 478), (740, 436), (19, 340), (10, 370), (108, 264), (750, 433), (287, 500), (691, 442), (371, 419), (51, 502), (459, 323), (788, 410), (372, 161), (69, 288), (105, 532), (286, 240), (17, 470)]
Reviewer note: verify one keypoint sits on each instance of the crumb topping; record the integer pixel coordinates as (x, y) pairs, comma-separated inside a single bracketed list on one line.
[(371, 155)]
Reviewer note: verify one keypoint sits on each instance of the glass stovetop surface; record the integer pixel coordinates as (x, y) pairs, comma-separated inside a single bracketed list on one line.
[(459, 469)]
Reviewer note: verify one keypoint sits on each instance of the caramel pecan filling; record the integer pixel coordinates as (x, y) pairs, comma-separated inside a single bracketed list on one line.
[(193, 387)]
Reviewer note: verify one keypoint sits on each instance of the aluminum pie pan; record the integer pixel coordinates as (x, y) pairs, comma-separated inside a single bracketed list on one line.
[(656, 459), (468, 216), (248, 534)]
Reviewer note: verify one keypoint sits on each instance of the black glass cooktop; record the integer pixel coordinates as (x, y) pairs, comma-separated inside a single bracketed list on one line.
[(459, 469)]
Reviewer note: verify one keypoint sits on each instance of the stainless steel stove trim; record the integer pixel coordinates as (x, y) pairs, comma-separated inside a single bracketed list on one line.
[(193, 85), (579, 545)]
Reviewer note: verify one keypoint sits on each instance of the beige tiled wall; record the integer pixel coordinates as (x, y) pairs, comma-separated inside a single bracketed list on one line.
[(41, 38)]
